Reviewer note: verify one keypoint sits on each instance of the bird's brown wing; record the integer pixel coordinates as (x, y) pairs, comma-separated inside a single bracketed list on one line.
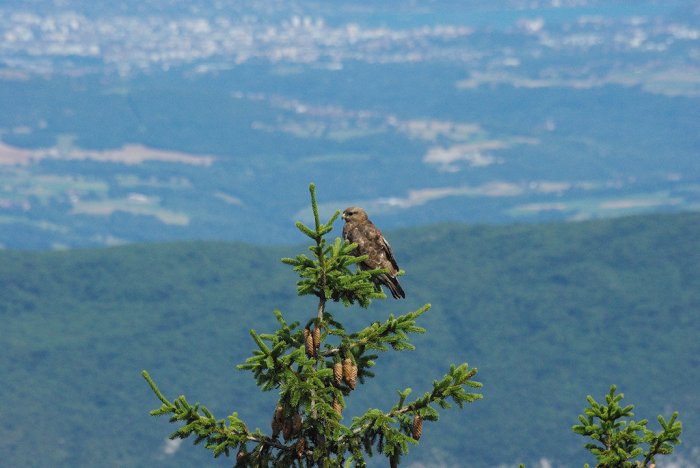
[(371, 242), (389, 254)]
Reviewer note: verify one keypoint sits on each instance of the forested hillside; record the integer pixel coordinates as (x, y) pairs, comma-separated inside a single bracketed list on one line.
[(547, 313)]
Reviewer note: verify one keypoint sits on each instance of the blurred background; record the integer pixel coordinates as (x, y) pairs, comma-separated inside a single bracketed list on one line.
[(155, 120)]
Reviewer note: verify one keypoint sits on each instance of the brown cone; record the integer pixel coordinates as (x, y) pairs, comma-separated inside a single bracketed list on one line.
[(287, 429), (338, 372), (277, 421), (301, 447), (352, 378), (309, 343), (296, 424), (337, 406), (417, 427), (317, 337), (347, 369)]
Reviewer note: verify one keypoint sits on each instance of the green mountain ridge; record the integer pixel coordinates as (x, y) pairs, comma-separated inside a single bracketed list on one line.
[(548, 313)]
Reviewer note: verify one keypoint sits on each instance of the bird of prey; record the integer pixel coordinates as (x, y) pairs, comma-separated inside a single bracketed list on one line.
[(360, 230)]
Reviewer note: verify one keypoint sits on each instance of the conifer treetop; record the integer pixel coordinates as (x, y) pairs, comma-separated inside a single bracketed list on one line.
[(315, 367), (620, 442)]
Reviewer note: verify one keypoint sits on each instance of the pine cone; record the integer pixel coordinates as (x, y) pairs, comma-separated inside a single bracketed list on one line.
[(301, 447), (296, 424), (317, 337), (240, 455), (352, 378), (338, 372), (337, 406), (287, 429), (347, 369), (309, 343), (277, 421), (417, 427)]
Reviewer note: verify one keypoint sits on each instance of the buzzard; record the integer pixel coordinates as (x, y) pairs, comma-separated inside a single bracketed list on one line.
[(359, 229)]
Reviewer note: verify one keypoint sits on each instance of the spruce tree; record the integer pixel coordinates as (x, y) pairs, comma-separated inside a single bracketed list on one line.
[(316, 367), (625, 443)]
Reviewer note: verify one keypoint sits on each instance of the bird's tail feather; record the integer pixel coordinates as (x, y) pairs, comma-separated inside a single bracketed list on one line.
[(394, 286)]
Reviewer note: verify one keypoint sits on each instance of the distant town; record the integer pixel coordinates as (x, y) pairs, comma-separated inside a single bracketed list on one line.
[(529, 50)]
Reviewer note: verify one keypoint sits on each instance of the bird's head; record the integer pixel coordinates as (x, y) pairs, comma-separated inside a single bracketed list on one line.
[(354, 213)]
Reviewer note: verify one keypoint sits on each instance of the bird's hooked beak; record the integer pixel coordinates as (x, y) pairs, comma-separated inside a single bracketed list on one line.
[(345, 216)]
